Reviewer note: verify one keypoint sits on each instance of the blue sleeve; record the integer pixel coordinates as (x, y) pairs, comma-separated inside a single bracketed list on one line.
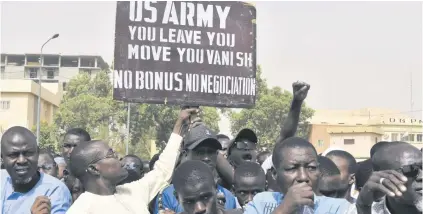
[(156, 205), (231, 201), (251, 208), (60, 200), (169, 201)]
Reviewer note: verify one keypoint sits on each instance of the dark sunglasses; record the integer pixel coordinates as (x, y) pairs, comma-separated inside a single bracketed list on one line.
[(245, 145), (47, 166), (410, 171), (131, 166)]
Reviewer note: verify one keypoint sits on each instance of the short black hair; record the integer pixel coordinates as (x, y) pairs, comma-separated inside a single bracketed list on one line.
[(249, 169), (387, 153), (263, 153), (153, 161), (47, 152), (352, 163), (327, 167), (378, 146), (364, 170), (79, 132), (291, 142), (219, 136), (133, 156), (191, 172), (82, 156)]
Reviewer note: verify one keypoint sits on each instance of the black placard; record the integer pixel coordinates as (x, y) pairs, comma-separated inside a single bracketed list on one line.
[(185, 53)]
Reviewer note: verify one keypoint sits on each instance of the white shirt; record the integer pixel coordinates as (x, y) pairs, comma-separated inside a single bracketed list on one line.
[(133, 197)]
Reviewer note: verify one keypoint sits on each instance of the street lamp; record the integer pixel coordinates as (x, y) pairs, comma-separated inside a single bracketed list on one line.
[(39, 88)]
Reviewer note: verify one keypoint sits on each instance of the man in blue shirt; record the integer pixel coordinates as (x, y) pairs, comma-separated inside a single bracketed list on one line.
[(296, 171), (24, 189), (200, 144)]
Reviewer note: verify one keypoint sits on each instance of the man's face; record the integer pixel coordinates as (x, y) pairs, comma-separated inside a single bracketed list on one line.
[(346, 179), (69, 142), (329, 186), (409, 163), (75, 187), (61, 168), (225, 144), (298, 165), (204, 153), (243, 150), (247, 187), (134, 167), (198, 198), (47, 165), (108, 164), (20, 158)]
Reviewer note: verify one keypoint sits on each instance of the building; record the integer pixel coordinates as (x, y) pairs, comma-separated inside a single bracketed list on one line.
[(19, 102), (357, 131), (55, 67)]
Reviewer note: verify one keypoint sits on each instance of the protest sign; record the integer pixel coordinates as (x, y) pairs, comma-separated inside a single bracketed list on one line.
[(185, 53)]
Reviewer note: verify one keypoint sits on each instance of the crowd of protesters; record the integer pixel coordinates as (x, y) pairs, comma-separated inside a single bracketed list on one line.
[(199, 172)]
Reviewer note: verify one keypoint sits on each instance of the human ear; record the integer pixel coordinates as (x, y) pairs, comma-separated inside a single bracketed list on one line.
[(92, 169)]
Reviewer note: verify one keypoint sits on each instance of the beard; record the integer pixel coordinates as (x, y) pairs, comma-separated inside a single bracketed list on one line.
[(24, 181)]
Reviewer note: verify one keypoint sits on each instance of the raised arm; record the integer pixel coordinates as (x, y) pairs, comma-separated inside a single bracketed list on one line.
[(148, 186), (290, 124)]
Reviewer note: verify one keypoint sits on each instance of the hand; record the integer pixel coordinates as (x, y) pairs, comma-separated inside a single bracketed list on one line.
[(392, 185), (196, 122), (300, 90), (183, 119), (168, 211), (298, 195), (41, 205)]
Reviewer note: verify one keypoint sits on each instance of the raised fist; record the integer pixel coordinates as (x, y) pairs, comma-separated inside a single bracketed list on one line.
[(300, 90)]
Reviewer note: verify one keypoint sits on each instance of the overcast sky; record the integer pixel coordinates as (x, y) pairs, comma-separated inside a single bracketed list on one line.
[(354, 54)]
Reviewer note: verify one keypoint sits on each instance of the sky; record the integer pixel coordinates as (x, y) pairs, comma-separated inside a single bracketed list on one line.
[(353, 54)]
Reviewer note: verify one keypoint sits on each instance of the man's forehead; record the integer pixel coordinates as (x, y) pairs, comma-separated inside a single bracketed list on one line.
[(45, 158), (294, 154), (250, 181), (410, 157), (190, 189), (18, 141)]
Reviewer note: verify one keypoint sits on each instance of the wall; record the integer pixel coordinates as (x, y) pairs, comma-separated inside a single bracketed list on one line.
[(363, 142)]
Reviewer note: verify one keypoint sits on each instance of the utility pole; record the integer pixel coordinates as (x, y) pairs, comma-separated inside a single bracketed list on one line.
[(39, 87), (128, 130)]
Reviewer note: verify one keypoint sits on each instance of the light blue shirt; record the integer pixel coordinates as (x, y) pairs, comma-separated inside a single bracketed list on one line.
[(266, 202), (21, 203)]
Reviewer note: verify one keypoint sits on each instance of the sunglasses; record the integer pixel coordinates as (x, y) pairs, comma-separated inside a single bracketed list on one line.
[(131, 166), (410, 171), (245, 145), (47, 166)]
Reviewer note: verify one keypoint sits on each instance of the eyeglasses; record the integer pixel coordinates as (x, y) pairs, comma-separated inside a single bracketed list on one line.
[(410, 171), (110, 154), (47, 166), (131, 166), (245, 145)]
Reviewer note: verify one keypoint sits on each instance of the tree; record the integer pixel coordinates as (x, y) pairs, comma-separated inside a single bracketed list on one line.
[(88, 104), (272, 107), (48, 136)]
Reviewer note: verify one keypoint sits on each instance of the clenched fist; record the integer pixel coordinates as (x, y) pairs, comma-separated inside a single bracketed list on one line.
[(41, 205), (298, 195), (300, 90)]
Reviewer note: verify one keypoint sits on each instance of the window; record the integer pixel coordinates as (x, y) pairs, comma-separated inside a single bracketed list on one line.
[(33, 73), (64, 86), (2, 73), (411, 137), (348, 141), (404, 137), (4, 105), (376, 140), (419, 137), (50, 74), (320, 143), (394, 137)]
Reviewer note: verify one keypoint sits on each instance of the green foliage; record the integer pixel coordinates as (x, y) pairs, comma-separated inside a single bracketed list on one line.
[(48, 136), (89, 104), (272, 107)]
